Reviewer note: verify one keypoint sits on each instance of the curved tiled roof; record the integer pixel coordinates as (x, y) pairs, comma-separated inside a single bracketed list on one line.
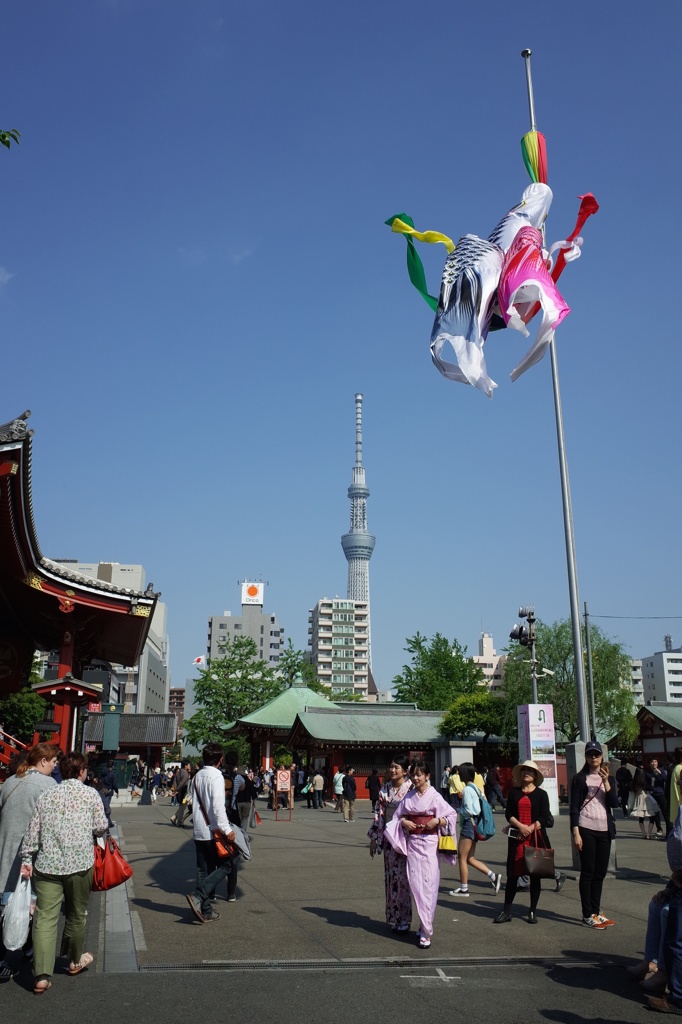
[(372, 723), (280, 712)]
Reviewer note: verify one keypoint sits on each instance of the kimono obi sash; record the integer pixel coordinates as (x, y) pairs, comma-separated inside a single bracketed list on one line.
[(420, 820)]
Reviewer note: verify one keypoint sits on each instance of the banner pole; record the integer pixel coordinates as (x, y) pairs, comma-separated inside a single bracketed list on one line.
[(576, 623)]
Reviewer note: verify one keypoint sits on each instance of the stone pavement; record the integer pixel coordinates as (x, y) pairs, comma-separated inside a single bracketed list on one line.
[(312, 895)]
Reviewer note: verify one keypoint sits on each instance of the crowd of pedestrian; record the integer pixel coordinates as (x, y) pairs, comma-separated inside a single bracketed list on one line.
[(51, 806)]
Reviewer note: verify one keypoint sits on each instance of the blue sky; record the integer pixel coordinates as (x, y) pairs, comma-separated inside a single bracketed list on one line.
[(196, 279)]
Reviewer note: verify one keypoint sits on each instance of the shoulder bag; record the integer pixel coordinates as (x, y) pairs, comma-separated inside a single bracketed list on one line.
[(111, 867), (539, 859)]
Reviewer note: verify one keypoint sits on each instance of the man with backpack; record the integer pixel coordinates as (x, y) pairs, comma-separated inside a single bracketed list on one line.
[(478, 825)]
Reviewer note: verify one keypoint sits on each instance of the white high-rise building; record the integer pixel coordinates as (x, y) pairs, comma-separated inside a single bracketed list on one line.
[(490, 662), (636, 682), (339, 641), (662, 676)]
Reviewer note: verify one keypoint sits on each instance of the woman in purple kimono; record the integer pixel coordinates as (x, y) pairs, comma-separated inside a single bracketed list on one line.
[(421, 816), (398, 899)]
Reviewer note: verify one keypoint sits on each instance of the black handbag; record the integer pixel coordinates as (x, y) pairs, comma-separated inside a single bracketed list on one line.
[(539, 860)]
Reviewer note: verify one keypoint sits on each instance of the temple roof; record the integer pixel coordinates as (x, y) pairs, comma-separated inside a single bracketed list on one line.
[(667, 713), (280, 712), (41, 600), (373, 724)]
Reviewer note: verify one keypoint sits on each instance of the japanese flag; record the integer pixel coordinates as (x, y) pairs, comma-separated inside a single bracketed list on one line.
[(200, 662)]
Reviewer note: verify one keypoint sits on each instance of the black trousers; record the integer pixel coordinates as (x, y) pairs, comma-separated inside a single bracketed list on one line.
[(594, 863), (534, 884)]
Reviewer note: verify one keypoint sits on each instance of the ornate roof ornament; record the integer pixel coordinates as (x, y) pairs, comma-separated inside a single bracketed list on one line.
[(16, 430)]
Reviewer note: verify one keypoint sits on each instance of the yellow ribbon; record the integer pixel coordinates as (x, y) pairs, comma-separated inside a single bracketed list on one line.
[(401, 228)]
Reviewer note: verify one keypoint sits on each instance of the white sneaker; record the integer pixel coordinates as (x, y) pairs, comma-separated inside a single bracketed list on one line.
[(459, 892)]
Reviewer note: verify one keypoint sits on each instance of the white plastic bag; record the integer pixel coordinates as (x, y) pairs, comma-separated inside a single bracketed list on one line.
[(17, 916)]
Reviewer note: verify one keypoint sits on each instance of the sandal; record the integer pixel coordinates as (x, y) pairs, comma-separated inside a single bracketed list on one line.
[(41, 986), (84, 962)]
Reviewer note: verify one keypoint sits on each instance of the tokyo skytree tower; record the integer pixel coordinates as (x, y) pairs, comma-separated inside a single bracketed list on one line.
[(358, 543)]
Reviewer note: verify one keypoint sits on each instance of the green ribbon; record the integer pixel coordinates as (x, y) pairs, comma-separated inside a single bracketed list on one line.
[(415, 267)]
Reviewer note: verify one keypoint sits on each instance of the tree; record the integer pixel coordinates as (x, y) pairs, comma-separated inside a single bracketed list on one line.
[(293, 663), (473, 712), (229, 688), (8, 137), (20, 711), (614, 703), (440, 672)]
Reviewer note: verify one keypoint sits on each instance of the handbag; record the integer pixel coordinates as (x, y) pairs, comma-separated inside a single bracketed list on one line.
[(224, 847), (447, 843), (17, 916), (539, 860), (111, 867), (307, 788)]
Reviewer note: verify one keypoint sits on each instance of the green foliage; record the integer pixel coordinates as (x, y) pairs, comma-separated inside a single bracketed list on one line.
[(229, 688), (8, 137), (473, 712), (614, 703), (282, 756), (293, 663), (19, 713), (440, 672)]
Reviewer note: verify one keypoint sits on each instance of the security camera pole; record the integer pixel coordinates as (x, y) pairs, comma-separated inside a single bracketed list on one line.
[(526, 637)]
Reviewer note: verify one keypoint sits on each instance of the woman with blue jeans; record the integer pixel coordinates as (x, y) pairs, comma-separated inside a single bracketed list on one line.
[(471, 809)]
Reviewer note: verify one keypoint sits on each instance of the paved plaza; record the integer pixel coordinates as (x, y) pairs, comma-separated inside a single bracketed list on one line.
[(312, 892), (309, 918)]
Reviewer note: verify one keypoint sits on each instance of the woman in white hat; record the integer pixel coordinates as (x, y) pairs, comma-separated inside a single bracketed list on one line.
[(529, 817)]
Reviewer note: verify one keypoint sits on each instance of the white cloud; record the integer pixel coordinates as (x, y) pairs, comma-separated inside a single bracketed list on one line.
[(194, 255), (5, 276), (242, 254)]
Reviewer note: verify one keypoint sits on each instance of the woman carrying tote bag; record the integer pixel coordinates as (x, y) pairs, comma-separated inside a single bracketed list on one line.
[(529, 818)]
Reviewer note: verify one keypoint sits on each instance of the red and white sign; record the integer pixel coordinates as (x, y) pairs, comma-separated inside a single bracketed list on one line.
[(94, 707), (252, 593), (283, 781)]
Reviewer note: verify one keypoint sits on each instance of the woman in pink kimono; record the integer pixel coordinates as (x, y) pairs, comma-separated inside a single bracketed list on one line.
[(398, 899), (419, 819)]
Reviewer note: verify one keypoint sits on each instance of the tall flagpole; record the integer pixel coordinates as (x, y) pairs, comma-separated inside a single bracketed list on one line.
[(576, 624)]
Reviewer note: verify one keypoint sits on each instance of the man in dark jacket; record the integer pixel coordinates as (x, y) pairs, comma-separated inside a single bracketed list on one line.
[(349, 794), (373, 784)]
